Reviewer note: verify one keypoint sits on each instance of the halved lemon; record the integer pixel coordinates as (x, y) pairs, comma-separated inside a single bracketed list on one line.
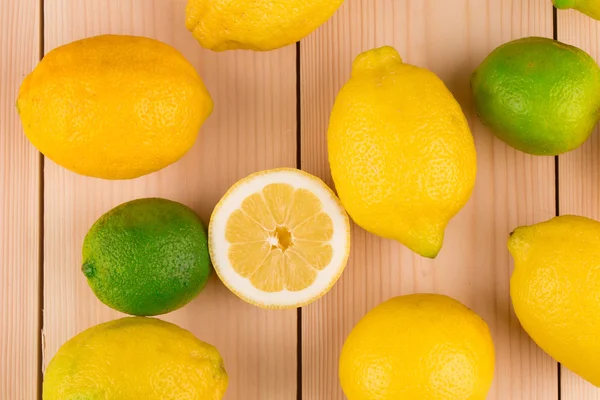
[(279, 238)]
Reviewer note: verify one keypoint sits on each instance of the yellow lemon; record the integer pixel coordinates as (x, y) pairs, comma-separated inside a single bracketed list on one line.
[(279, 238), (555, 290), (421, 346), (132, 359), (113, 107), (401, 153), (255, 24)]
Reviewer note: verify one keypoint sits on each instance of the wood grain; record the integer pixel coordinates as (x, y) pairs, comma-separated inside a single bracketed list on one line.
[(19, 208), (451, 38), (579, 172), (253, 128)]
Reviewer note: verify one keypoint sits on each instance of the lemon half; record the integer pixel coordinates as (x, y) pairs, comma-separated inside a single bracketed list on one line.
[(279, 238)]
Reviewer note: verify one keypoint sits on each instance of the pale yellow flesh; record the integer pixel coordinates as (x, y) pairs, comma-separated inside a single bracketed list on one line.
[(280, 238)]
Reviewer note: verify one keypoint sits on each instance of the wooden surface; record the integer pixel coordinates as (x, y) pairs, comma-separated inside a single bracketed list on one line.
[(19, 209), (579, 172), (451, 38), (255, 127)]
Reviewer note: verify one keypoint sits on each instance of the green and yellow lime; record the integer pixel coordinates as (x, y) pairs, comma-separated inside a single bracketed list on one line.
[(538, 95), (147, 257), (588, 7)]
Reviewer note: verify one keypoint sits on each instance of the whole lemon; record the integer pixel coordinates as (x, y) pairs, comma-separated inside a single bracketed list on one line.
[(113, 107), (255, 24), (421, 346), (401, 153), (555, 290), (538, 95), (135, 358)]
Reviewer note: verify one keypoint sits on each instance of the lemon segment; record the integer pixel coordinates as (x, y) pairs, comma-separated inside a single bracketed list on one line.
[(318, 227), (247, 257), (316, 254), (303, 205), (279, 238), (299, 274), (278, 197)]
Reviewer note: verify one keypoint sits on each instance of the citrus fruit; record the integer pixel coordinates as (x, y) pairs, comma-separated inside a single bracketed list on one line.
[(588, 7), (421, 346), (255, 25), (538, 95), (113, 107), (135, 358), (401, 153), (555, 290), (279, 238), (147, 257)]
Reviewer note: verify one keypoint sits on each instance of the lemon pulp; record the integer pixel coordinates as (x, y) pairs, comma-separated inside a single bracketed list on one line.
[(279, 238)]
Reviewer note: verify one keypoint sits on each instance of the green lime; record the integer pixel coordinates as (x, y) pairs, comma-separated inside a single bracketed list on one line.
[(147, 257), (538, 95), (588, 7)]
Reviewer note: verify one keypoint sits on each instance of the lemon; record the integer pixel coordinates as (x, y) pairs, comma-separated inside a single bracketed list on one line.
[(255, 24), (401, 153), (279, 238), (135, 358), (113, 107), (421, 346), (555, 290)]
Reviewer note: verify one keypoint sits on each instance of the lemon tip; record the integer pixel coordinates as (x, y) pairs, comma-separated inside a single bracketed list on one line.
[(376, 59), (516, 242)]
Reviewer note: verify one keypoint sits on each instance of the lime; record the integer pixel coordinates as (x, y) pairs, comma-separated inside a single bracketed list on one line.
[(588, 7), (147, 257), (538, 95)]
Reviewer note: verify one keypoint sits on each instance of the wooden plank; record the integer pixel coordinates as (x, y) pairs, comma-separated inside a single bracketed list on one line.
[(253, 128), (19, 208), (579, 173), (451, 38)]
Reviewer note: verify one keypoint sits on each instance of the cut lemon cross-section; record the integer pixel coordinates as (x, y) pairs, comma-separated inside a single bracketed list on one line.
[(279, 238)]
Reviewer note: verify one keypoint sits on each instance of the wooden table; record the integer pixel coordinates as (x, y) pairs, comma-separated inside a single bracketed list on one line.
[(271, 110)]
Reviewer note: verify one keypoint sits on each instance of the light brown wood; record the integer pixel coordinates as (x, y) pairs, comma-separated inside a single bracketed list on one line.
[(19, 209), (579, 172), (451, 38), (253, 128)]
